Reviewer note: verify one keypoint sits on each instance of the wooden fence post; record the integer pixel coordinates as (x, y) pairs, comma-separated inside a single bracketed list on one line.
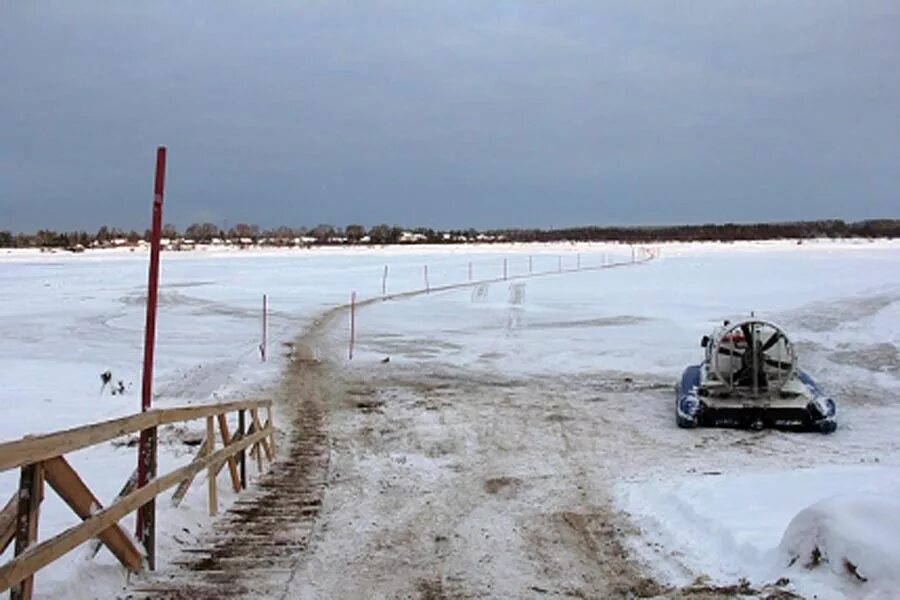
[(31, 492), (211, 475), (242, 456), (270, 421)]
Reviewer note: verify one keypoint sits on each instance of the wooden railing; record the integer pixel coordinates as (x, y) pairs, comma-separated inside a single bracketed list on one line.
[(41, 459)]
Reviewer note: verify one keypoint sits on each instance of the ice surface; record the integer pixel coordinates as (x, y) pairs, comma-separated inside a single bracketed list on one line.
[(64, 319)]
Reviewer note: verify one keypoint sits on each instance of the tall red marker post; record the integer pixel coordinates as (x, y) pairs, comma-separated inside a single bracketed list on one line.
[(146, 514)]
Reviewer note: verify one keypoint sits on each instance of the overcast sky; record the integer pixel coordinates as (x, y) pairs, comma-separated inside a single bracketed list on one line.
[(449, 114)]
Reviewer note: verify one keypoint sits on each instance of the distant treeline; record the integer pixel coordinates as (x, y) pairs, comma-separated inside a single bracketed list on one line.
[(244, 234), (877, 228)]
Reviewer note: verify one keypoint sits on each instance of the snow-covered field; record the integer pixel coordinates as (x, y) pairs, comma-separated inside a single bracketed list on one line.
[(65, 319), (558, 388)]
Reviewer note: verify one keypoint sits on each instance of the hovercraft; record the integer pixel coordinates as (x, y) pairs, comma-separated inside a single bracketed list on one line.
[(749, 378)]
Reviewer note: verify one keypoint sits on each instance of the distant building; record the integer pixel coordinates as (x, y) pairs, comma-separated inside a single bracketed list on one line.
[(409, 237)]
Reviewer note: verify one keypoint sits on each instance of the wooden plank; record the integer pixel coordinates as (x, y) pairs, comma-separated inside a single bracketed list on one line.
[(185, 485), (221, 465), (254, 449), (8, 522), (70, 487), (264, 442), (232, 463), (271, 439), (271, 421), (41, 555), (127, 488), (211, 474), (256, 426), (32, 449), (31, 492)]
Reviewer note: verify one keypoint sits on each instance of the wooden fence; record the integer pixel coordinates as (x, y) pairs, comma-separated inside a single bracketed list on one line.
[(41, 460)]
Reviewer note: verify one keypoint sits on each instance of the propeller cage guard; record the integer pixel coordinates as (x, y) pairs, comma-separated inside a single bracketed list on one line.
[(753, 355)]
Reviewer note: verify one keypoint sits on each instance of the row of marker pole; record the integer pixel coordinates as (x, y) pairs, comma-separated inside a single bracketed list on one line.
[(427, 283), (263, 346)]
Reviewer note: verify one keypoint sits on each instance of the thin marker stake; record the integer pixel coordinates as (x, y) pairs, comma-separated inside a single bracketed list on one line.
[(352, 323), (263, 345)]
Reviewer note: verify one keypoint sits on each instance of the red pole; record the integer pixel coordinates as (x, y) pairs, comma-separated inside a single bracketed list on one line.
[(146, 515), (265, 329), (352, 323)]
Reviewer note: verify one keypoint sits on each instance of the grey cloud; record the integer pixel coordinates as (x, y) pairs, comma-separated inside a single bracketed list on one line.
[(450, 113)]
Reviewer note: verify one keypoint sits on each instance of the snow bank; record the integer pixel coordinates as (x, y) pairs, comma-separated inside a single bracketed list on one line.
[(764, 526), (849, 542)]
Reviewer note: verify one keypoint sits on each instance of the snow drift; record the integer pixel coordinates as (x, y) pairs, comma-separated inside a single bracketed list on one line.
[(850, 541)]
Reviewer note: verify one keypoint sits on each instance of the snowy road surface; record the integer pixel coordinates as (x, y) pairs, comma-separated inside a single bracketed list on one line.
[(520, 442)]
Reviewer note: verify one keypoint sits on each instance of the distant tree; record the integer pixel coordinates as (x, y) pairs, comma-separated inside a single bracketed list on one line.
[(354, 233), (385, 234), (103, 235), (6, 239), (47, 238), (380, 234), (280, 236), (202, 232), (169, 231), (283, 232), (323, 233), (243, 230)]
